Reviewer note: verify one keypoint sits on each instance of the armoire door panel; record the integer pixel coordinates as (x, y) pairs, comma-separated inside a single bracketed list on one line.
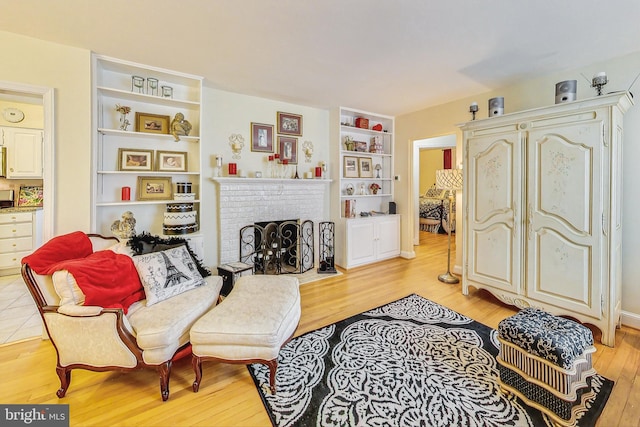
[(563, 272), (493, 185), (564, 189), (563, 215), (493, 228), (493, 255)]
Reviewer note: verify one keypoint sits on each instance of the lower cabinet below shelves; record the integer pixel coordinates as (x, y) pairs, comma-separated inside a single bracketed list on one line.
[(361, 241)]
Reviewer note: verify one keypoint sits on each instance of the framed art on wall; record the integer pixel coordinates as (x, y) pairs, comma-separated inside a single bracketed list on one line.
[(155, 188), (135, 160), (288, 149), (350, 167), (152, 123), (261, 137), (171, 161), (365, 167), (289, 124)]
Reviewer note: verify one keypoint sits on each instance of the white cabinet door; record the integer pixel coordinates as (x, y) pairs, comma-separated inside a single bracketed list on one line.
[(493, 188), (24, 152), (360, 242), (387, 236), (564, 222)]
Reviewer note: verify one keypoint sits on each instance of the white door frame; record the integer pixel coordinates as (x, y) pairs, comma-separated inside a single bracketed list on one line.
[(442, 142), (48, 152)]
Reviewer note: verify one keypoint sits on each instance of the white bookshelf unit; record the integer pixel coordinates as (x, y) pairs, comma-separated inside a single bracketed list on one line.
[(112, 85), (365, 231)]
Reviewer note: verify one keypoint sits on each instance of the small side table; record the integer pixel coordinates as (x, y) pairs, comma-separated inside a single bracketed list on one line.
[(230, 273)]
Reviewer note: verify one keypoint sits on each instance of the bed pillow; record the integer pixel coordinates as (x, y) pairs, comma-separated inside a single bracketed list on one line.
[(434, 192), (167, 273)]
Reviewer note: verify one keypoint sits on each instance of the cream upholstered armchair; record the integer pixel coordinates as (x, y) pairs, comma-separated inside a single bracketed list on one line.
[(96, 338)]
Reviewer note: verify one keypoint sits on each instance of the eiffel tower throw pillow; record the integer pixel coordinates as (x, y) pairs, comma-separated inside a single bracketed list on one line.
[(167, 273)]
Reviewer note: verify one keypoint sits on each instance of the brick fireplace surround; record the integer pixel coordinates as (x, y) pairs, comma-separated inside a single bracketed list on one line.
[(245, 201)]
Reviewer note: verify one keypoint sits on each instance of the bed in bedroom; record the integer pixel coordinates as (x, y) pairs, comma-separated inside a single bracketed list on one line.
[(434, 211)]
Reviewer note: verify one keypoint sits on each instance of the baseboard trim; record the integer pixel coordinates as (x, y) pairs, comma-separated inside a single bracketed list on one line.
[(407, 254), (630, 319)]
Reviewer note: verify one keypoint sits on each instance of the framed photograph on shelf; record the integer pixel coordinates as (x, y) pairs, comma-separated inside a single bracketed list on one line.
[(135, 160), (171, 161), (365, 167), (360, 146), (152, 123), (155, 188), (288, 149), (261, 137), (289, 124), (350, 167)]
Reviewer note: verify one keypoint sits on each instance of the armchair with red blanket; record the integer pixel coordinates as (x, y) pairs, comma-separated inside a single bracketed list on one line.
[(90, 291)]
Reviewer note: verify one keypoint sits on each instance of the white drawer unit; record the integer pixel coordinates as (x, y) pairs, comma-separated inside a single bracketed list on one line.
[(20, 235)]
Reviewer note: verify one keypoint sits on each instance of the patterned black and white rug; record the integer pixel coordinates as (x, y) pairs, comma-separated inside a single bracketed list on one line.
[(411, 362)]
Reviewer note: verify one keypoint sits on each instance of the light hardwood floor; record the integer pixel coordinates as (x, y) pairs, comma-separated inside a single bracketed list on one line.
[(228, 397)]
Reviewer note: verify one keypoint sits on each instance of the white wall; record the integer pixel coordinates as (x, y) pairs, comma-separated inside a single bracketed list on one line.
[(68, 70), (226, 113), (529, 94)]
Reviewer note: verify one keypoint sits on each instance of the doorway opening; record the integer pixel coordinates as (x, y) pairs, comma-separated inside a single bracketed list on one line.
[(438, 143)]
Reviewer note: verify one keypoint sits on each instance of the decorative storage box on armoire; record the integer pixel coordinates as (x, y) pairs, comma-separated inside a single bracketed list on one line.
[(542, 214)]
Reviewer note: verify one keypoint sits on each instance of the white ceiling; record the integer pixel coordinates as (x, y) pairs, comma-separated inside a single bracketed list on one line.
[(387, 56)]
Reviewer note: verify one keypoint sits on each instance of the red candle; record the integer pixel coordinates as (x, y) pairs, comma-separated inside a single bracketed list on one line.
[(233, 168), (271, 158), (285, 162), (276, 156), (318, 172), (126, 193)]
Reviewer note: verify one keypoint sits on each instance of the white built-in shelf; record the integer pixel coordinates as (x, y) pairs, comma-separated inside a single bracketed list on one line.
[(156, 136), (146, 173), (143, 97), (145, 202)]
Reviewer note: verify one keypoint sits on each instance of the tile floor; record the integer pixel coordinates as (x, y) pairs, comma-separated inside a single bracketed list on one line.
[(19, 318)]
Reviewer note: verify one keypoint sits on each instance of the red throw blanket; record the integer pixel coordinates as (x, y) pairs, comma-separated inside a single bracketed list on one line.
[(107, 279)]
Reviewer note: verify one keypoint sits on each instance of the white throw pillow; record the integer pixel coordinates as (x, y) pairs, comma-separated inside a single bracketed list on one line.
[(67, 288), (167, 273)]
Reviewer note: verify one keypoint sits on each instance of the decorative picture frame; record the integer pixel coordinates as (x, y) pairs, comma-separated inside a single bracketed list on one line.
[(30, 195), (288, 149), (365, 167), (152, 123), (289, 124), (261, 137), (350, 165), (360, 146), (171, 161), (154, 188), (130, 159)]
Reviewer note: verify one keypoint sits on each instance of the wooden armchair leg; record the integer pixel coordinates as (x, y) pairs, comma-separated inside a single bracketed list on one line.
[(197, 368), (273, 367), (165, 372), (65, 379)]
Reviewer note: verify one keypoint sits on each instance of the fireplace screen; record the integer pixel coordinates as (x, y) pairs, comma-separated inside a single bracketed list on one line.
[(278, 247)]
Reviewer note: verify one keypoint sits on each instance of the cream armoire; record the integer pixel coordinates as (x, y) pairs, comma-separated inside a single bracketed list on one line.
[(542, 209)]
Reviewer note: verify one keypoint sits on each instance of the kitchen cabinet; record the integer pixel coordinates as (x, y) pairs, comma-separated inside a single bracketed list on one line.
[(542, 209), (24, 152), (20, 235)]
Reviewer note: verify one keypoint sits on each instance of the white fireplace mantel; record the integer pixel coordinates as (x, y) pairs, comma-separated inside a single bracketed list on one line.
[(245, 201)]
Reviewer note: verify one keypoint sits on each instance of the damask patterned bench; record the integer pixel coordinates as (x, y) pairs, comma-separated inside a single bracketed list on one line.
[(546, 361)]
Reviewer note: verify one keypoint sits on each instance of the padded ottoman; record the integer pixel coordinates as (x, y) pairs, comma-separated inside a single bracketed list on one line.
[(250, 325), (546, 361)]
